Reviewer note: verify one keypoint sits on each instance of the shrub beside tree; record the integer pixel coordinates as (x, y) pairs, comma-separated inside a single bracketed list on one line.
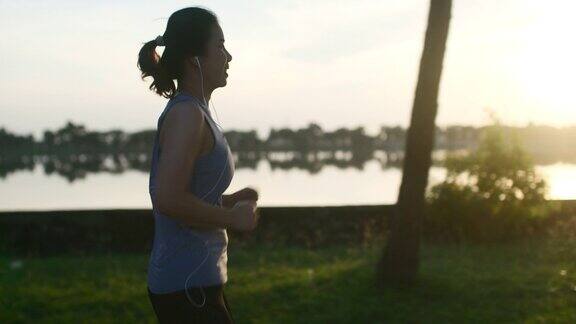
[(492, 194)]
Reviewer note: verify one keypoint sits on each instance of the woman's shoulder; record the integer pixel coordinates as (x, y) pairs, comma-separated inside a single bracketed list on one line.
[(183, 119), (185, 113)]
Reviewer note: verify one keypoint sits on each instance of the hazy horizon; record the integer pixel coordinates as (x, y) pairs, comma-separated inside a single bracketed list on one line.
[(335, 63)]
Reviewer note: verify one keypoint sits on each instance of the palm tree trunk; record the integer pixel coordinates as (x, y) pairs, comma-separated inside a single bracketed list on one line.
[(400, 258)]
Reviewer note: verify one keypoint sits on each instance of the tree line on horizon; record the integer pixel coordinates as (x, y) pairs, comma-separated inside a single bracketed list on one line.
[(76, 138)]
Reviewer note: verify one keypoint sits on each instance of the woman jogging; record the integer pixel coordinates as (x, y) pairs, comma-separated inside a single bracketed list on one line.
[(191, 168)]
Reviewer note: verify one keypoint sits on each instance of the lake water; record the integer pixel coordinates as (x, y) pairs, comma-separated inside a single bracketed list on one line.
[(372, 184)]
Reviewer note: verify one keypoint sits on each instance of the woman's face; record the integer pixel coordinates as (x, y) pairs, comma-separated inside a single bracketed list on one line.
[(215, 61)]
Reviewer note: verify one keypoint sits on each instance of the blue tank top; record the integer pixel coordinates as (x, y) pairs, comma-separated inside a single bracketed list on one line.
[(181, 256)]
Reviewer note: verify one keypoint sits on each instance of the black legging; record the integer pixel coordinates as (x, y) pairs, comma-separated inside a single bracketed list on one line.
[(176, 307)]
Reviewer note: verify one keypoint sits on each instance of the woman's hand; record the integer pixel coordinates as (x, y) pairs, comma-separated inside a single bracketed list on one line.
[(244, 194), (245, 216)]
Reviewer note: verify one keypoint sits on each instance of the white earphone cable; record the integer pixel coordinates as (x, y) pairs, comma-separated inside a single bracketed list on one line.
[(190, 231), (205, 245), (207, 104)]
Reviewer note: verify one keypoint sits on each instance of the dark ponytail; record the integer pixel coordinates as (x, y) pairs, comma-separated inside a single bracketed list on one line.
[(149, 64), (187, 32)]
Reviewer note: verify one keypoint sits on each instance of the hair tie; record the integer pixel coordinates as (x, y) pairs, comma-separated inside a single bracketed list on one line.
[(160, 41)]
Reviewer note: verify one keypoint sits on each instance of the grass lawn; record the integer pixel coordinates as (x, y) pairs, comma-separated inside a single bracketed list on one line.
[(528, 282)]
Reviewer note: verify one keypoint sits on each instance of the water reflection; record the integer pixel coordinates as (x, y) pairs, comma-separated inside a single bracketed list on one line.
[(74, 167), (322, 178)]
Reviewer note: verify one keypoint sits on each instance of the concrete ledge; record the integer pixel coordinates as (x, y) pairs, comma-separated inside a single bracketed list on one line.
[(131, 230)]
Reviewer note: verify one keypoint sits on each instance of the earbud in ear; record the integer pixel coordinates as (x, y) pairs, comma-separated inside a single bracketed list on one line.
[(194, 61)]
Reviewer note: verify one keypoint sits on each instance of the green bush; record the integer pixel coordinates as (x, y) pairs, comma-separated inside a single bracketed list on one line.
[(492, 194)]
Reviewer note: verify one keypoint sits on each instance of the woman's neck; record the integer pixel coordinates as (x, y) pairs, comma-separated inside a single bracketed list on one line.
[(194, 89)]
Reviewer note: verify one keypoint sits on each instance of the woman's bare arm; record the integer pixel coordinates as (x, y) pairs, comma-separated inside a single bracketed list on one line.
[(182, 130), (228, 201)]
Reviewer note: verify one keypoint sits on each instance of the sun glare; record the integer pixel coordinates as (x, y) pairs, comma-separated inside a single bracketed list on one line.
[(544, 64)]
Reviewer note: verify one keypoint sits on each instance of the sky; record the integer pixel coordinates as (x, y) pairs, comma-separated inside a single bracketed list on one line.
[(338, 63)]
